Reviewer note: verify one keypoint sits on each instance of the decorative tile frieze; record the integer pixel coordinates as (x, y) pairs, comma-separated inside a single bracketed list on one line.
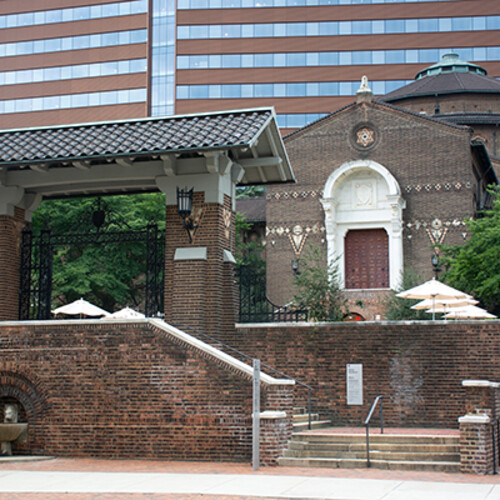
[(436, 229), (296, 235), (446, 186), (293, 195)]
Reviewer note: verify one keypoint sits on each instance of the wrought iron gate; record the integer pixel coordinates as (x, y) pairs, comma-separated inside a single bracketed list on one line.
[(37, 254), (255, 307)]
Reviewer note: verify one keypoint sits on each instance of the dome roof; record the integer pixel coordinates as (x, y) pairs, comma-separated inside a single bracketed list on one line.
[(449, 76)]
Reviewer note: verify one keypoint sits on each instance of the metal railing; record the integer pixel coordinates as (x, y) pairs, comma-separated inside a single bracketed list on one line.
[(367, 424), (249, 359)]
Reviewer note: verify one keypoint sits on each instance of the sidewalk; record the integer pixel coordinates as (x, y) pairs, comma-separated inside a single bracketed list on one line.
[(98, 479)]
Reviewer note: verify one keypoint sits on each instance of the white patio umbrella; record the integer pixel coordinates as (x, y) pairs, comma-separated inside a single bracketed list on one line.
[(443, 305), (469, 312), (125, 313), (80, 307), (433, 290)]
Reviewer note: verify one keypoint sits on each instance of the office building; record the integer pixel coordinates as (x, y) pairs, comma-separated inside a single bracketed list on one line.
[(65, 61)]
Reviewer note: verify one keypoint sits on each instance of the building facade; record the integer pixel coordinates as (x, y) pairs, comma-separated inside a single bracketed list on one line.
[(66, 61), (378, 188)]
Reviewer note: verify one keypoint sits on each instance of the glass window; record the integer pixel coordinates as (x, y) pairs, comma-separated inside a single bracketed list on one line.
[(80, 13), (263, 30), (296, 89), (110, 39), (230, 60), (445, 24), (247, 31), (215, 31), (110, 10), (279, 29), (395, 26), (198, 91), (296, 29), (378, 27), (378, 57), (479, 23), (264, 60), (427, 25), (296, 59), (345, 58), (361, 27), (231, 31), (247, 61), (182, 92), (231, 91), (214, 61), (395, 56), (183, 32), (345, 28), (264, 90), (362, 57), (214, 92), (411, 56), (280, 90), (312, 59), (461, 23), (328, 58), (52, 73), (183, 62), (25, 19), (247, 90), (493, 22), (53, 45), (412, 26)]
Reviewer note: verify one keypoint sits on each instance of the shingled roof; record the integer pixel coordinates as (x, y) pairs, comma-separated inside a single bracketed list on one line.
[(132, 155), (133, 137)]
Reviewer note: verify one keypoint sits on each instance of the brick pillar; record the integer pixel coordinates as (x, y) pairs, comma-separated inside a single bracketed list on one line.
[(477, 454), (276, 422), (10, 240), (199, 276)]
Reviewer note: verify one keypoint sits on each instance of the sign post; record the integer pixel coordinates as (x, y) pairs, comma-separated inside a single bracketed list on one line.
[(256, 415)]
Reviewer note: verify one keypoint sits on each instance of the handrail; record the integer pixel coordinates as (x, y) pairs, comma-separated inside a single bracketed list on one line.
[(249, 358), (367, 424)]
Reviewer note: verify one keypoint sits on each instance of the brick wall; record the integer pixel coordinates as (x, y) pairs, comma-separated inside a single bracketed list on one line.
[(417, 366), (432, 163), (10, 240), (90, 388)]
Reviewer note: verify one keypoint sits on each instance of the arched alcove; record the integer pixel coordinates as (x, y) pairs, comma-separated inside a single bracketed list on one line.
[(364, 195)]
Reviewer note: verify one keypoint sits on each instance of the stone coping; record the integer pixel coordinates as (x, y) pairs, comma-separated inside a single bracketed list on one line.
[(358, 324), (480, 383), (171, 330), (474, 419), (272, 415)]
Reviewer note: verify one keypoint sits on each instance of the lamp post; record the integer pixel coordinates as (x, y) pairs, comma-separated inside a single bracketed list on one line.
[(184, 208), (435, 265)]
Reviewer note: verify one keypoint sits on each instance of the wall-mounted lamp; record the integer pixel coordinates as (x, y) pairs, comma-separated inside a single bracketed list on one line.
[(295, 267), (184, 208), (435, 265)]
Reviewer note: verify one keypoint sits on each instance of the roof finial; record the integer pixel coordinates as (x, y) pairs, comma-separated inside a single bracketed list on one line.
[(364, 93)]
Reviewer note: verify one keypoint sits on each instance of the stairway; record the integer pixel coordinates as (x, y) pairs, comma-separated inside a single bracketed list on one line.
[(301, 420), (389, 451)]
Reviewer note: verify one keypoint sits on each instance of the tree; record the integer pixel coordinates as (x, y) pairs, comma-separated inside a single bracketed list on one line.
[(318, 288), (474, 267), (112, 275), (397, 308)]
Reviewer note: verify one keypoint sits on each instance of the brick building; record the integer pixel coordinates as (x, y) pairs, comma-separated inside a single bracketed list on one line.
[(378, 186)]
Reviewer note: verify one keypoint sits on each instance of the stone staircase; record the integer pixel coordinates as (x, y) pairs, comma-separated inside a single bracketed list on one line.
[(301, 420), (387, 451)]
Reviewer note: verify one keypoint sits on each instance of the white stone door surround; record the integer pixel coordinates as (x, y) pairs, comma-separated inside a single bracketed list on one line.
[(362, 194)]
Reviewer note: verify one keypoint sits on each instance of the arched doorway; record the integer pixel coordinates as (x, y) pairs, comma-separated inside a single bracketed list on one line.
[(363, 199)]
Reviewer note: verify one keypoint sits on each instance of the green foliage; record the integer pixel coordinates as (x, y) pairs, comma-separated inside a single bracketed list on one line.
[(474, 267), (250, 191), (318, 288), (111, 276), (248, 253), (398, 309)]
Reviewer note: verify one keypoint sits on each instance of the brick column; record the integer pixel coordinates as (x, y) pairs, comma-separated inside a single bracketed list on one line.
[(476, 427), (276, 422), (199, 276), (11, 227)]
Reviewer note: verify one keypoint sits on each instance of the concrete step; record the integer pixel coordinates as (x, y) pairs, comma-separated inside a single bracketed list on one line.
[(315, 424), (381, 447), (375, 455), (304, 417), (426, 452), (335, 463), (376, 438)]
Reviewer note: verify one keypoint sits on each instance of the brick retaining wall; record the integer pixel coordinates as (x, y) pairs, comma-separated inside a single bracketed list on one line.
[(417, 366), (96, 388)]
